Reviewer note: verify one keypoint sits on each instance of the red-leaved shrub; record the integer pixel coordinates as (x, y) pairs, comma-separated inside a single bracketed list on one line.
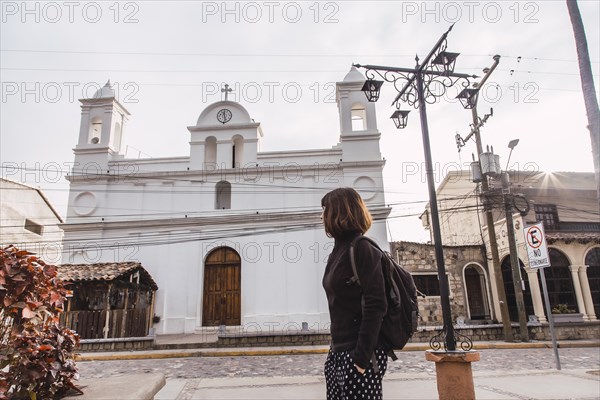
[(38, 352)]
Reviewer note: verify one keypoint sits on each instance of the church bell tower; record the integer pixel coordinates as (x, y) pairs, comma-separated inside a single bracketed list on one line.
[(100, 134), (359, 136)]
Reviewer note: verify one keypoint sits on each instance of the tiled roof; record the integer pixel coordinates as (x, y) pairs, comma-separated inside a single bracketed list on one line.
[(584, 237), (103, 272)]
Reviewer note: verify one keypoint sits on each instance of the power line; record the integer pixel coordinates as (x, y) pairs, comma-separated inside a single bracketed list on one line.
[(328, 55), (164, 71), (192, 214)]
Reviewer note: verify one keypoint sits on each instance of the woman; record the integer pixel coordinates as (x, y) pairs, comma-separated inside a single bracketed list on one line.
[(356, 362)]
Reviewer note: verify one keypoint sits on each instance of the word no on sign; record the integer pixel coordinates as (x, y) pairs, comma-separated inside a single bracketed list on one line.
[(535, 241)]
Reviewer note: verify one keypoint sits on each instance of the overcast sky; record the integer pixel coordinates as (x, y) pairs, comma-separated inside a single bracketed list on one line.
[(282, 59)]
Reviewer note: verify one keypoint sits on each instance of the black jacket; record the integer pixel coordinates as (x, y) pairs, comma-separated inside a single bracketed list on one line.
[(355, 326)]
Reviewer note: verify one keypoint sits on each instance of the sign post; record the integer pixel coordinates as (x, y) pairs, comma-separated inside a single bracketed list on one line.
[(537, 251)]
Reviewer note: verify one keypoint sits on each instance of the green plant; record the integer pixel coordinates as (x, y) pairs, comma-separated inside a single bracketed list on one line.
[(562, 309), (36, 358)]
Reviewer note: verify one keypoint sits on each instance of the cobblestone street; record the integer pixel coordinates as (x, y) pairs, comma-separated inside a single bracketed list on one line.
[(312, 364)]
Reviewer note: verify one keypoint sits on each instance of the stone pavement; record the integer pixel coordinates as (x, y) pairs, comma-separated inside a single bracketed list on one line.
[(506, 371), (489, 385)]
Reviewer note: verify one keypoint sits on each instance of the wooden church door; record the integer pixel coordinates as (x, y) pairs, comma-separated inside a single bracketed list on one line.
[(222, 294), (475, 283)]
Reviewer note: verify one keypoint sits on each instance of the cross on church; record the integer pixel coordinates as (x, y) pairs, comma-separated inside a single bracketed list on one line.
[(226, 90)]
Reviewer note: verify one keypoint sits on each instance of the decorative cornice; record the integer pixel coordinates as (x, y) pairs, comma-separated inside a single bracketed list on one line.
[(235, 173), (362, 164), (231, 219), (360, 135), (300, 153), (252, 125)]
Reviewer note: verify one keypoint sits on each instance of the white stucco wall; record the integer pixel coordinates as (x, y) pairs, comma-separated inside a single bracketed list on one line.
[(19, 203)]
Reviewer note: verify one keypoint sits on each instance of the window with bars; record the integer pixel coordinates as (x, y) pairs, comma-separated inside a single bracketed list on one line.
[(427, 284), (547, 214)]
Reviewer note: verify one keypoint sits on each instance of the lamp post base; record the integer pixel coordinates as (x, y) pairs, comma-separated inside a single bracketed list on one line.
[(454, 374)]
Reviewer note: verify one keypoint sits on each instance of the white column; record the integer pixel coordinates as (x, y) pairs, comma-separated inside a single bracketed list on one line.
[(577, 285), (197, 150), (536, 294), (587, 293)]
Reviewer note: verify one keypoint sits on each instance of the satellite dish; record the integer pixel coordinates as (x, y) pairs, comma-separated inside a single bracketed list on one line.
[(95, 140)]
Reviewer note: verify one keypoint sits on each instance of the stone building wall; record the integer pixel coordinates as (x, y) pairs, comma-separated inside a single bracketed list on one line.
[(419, 258)]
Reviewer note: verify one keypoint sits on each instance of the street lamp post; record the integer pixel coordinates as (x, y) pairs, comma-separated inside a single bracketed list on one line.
[(417, 91)]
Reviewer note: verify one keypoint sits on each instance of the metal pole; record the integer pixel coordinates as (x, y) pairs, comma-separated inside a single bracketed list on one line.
[(550, 318), (514, 261), (450, 340)]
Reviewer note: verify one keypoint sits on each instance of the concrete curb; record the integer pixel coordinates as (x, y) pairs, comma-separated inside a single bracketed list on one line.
[(116, 387), (278, 351)]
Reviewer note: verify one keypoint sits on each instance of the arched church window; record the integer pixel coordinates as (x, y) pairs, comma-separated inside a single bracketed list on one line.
[(210, 150), (95, 130), (359, 117), (223, 195), (476, 293), (237, 151), (559, 280)]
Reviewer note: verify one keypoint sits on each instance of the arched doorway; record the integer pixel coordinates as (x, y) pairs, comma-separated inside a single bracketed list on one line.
[(222, 288), (592, 260), (476, 293), (559, 281), (509, 288)]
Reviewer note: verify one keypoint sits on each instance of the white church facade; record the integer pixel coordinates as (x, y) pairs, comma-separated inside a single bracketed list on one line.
[(231, 235)]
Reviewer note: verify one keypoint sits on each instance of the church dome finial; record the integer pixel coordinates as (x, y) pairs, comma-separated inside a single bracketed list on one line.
[(354, 76), (106, 92)]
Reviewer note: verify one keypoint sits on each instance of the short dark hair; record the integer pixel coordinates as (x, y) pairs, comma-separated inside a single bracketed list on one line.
[(345, 212)]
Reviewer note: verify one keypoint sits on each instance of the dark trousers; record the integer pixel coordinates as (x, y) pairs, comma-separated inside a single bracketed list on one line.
[(344, 382)]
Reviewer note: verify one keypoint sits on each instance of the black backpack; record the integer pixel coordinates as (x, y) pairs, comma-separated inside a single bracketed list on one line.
[(400, 320)]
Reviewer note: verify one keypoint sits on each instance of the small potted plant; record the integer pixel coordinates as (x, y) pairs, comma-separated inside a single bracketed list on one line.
[(563, 313)]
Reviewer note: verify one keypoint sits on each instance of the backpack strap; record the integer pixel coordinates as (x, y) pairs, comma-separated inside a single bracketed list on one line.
[(355, 277)]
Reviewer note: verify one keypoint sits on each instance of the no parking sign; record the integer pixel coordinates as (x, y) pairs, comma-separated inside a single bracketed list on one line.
[(535, 242)]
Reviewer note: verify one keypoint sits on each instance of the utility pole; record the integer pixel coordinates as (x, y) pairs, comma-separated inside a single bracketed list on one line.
[(489, 215), (514, 258)]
